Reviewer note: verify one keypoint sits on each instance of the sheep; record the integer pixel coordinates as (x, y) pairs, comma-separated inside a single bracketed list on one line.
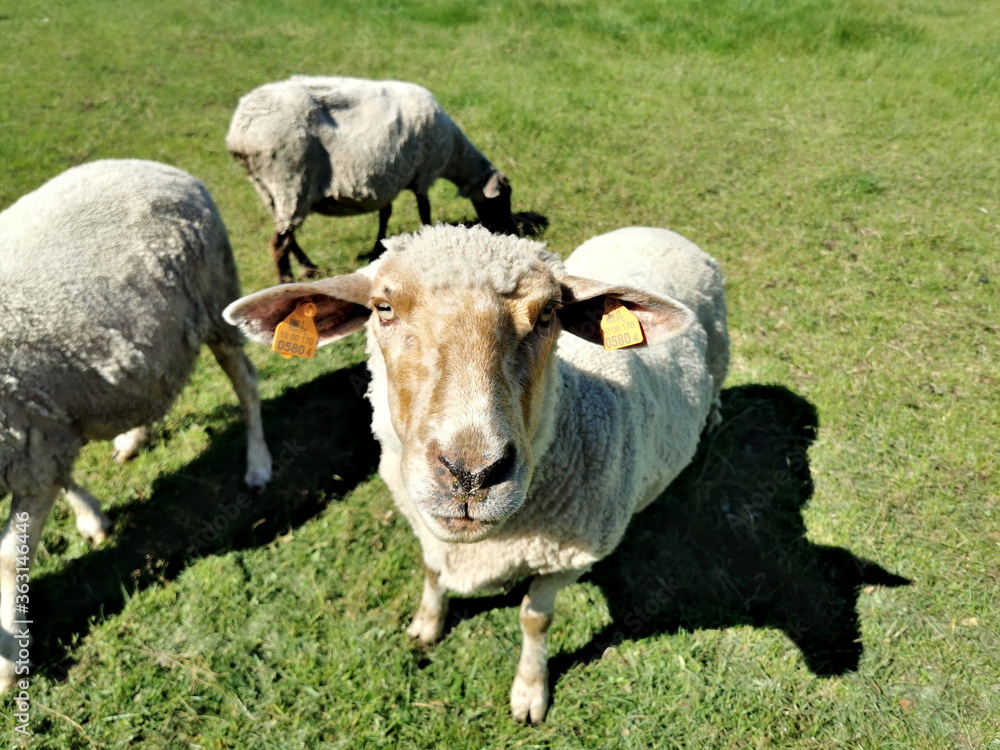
[(112, 275), (346, 146), (514, 450)]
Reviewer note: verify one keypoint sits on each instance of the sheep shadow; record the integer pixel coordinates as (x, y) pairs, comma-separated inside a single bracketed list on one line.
[(726, 545), (322, 447)]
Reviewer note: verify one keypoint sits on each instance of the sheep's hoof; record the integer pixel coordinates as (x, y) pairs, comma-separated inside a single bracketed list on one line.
[(7, 679), (310, 272), (256, 478), (128, 444), (529, 699), (425, 628), (95, 529)]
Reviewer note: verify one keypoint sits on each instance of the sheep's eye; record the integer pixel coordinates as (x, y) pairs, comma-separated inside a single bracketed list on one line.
[(545, 316), (385, 311)]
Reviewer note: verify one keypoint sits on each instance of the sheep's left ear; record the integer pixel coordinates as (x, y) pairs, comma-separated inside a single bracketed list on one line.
[(495, 186), (584, 303), (341, 307)]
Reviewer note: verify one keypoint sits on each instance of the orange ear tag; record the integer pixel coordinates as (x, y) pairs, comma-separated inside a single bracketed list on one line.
[(296, 335), (619, 326)]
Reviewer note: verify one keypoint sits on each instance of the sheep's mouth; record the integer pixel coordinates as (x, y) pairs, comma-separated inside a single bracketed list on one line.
[(463, 528), (462, 523)]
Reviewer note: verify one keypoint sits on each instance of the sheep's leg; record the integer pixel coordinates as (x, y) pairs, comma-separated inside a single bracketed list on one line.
[(529, 695), (241, 373), (428, 623), (383, 221), (279, 251), (309, 268), (383, 228), (18, 543), (128, 444), (424, 208), (92, 524)]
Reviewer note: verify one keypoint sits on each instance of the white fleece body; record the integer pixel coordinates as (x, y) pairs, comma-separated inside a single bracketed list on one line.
[(345, 146), (617, 426), (512, 442)]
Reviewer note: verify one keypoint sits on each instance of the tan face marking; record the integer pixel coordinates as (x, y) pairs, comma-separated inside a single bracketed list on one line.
[(465, 371)]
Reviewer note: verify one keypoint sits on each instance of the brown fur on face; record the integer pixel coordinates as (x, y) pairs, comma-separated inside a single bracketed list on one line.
[(465, 373)]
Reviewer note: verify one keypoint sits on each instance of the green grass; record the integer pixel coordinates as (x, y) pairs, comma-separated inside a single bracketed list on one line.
[(840, 159)]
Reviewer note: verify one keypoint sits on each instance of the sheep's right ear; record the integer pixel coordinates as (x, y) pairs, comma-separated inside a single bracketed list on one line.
[(341, 307), (583, 307)]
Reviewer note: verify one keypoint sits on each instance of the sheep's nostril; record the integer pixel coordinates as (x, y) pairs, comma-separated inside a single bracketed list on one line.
[(500, 470), (481, 477)]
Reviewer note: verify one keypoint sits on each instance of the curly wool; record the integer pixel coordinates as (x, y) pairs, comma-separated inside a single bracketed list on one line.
[(448, 257), (95, 267)]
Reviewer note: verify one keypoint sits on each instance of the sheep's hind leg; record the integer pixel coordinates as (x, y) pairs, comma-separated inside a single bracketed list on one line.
[(241, 373), (309, 269), (529, 695), (428, 623), (92, 524), (18, 543)]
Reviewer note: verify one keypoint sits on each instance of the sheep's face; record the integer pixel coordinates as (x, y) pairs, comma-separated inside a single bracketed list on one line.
[(466, 367), (465, 323)]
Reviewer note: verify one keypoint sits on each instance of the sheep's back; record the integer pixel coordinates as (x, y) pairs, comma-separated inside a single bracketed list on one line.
[(113, 273), (668, 263)]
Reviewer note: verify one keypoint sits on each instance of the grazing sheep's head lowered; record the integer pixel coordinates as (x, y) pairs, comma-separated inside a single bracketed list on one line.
[(465, 324), (492, 204)]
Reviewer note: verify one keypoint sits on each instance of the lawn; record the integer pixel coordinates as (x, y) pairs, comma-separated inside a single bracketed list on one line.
[(826, 574)]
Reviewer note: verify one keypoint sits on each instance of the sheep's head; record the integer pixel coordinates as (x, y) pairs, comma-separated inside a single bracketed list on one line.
[(465, 323), (492, 204)]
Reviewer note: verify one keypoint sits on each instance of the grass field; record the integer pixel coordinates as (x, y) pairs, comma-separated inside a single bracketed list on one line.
[(825, 575)]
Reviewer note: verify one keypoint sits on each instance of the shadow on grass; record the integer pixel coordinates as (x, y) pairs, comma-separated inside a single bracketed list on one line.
[(320, 439), (725, 545)]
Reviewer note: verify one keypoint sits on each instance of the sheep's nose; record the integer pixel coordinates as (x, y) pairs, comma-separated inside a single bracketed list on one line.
[(477, 477)]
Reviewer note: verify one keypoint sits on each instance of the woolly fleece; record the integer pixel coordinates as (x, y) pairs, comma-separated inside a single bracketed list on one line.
[(355, 141), (112, 275), (618, 426)]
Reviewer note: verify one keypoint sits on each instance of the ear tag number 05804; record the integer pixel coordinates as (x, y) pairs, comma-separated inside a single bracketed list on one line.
[(296, 335), (619, 326)]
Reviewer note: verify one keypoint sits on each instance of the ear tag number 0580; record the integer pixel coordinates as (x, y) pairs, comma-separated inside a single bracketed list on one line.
[(619, 326), (296, 335)]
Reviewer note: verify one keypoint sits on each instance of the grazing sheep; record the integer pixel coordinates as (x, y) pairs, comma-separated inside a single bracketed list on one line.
[(112, 275), (346, 146), (510, 455)]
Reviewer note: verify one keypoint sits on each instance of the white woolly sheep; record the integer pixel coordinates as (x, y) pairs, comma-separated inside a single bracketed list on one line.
[(112, 275), (510, 455), (345, 146)]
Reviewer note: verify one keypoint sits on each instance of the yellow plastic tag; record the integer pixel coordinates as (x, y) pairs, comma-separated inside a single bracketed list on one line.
[(619, 326), (296, 335)]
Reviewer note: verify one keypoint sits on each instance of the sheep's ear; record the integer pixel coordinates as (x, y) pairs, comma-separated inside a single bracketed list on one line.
[(495, 186), (584, 303), (341, 307)]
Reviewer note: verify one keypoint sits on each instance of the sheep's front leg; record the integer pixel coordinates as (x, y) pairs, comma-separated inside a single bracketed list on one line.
[(423, 208), (383, 228), (428, 623), (128, 444), (234, 362), (529, 695), (18, 543), (92, 524)]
